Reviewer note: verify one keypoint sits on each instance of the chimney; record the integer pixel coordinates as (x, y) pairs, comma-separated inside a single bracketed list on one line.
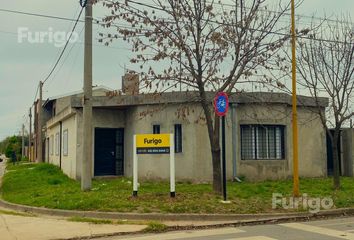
[(130, 83)]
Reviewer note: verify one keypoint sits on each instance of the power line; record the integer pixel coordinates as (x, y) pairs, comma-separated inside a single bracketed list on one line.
[(150, 6), (253, 29), (67, 56), (289, 14), (38, 15), (80, 42), (66, 44), (35, 95), (157, 8), (62, 52), (76, 12)]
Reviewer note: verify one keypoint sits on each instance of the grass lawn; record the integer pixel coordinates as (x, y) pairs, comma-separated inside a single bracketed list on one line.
[(44, 185)]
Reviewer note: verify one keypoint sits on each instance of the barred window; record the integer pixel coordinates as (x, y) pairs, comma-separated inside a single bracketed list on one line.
[(262, 142)]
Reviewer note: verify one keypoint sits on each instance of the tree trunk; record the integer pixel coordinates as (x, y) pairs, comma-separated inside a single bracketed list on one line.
[(214, 139), (216, 156), (335, 155)]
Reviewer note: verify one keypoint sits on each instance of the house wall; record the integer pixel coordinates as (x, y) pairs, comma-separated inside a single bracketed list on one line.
[(348, 151), (51, 134), (62, 103), (190, 164), (101, 118), (194, 163), (263, 114), (311, 142), (68, 162)]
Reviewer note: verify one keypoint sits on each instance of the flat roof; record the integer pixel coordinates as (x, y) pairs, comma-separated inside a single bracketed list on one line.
[(71, 94), (187, 97)]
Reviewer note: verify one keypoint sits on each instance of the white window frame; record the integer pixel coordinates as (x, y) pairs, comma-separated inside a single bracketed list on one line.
[(65, 142), (57, 144), (51, 144)]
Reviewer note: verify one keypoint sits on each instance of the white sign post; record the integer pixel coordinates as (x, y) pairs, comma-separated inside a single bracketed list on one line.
[(154, 144), (172, 167), (135, 169)]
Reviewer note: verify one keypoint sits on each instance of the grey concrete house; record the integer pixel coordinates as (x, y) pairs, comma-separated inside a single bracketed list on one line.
[(259, 138), (346, 152)]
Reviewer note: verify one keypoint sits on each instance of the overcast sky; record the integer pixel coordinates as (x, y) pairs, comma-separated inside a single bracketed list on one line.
[(24, 64)]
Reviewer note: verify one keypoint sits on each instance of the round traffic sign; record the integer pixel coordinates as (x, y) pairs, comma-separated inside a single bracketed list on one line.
[(221, 104)]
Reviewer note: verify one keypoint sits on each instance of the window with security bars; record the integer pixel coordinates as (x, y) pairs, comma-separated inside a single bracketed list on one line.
[(262, 142)]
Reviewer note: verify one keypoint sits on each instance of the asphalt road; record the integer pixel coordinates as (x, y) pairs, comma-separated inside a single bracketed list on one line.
[(333, 229)]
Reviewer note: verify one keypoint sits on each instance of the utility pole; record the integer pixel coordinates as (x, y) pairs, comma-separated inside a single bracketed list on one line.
[(296, 191), (39, 134), (30, 135), (86, 167), (23, 141)]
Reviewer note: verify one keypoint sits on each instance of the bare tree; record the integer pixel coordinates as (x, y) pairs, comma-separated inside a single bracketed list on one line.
[(200, 45), (326, 67)]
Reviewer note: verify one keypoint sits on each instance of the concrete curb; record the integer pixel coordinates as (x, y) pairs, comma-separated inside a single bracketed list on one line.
[(176, 217)]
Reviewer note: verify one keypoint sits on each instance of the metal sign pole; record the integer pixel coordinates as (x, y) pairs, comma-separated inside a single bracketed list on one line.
[(221, 106), (223, 157), (135, 169), (172, 167)]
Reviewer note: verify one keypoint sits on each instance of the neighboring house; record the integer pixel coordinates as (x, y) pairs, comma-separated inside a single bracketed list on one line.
[(258, 144), (59, 121), (346, 153), (50, 109)]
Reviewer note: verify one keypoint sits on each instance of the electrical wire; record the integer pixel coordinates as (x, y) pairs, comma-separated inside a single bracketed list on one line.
[(66, 45), (157, 8), (146, 5), (67, 55), (39, 15), (253, 29), (63, 50)]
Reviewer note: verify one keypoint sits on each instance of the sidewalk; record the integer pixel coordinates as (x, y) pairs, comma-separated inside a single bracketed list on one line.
[(49, 228), (27, 228)]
